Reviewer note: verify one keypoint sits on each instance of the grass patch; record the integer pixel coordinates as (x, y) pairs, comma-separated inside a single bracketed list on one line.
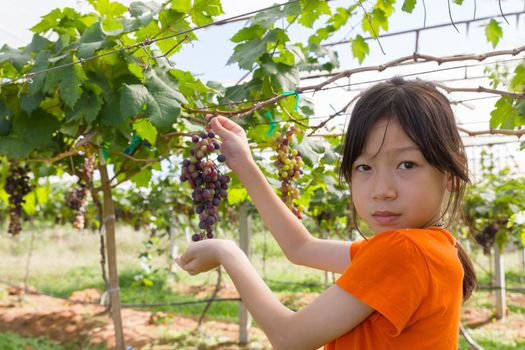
[(12, 341)]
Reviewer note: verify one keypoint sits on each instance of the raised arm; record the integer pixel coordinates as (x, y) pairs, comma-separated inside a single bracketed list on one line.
[(299, 246), (332, 314)]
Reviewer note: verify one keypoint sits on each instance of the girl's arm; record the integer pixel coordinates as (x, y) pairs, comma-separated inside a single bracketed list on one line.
[(332, 314), (299, 246)]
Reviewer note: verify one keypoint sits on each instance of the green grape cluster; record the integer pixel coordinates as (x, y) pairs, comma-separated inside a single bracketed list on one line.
[(289, 164), (209, 186)]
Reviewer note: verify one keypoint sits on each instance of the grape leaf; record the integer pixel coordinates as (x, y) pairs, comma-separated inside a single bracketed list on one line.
[(146, 130), (359, 48), (71, 78), (142, 178), (91, 40), (28, 134), (139, 8), (181, 5), (87, 108), (408, 5), (493, 32), (518, 80), (373, 21), (312, 10), (14, 56), (204, 10), (504, 115), (156, 99), (108, 9)]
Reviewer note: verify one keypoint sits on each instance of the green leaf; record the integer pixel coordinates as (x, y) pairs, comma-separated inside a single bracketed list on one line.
[(458, 2), (373, 21), (156, 99), (249, 33), (14, 56), (108, 9), (181, 5), (142, 178), (504, 115), (312, 10), (30, 102), (140, 8), (29, 204), (87, 108), (28, 134), (359, 48), (42, 194), (146, 130), (237, 195), (91, 40), (408, 5), (247, 54), (517, 83), (204, 10), (70, 80), (493, 32)]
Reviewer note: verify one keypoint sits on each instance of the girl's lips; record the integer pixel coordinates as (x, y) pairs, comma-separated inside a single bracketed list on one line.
[(385, 217)]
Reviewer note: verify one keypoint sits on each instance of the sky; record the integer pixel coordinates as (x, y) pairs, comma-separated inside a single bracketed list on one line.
[(207, 58)]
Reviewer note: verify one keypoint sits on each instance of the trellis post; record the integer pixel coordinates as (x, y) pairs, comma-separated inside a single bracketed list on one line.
[(108, 220), (499, 275), (245, 318)]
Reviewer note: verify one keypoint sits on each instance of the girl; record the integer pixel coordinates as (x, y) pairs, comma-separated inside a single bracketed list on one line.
[(401, 289)]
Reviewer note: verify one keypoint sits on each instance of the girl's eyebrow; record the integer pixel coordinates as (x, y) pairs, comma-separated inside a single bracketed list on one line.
[(397, 150)]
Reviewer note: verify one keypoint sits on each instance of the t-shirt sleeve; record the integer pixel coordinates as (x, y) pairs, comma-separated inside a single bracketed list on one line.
[(389, 273), (355, 247)]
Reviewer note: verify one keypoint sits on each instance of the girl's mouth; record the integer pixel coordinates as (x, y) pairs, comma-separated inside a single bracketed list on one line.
[(385, 217)]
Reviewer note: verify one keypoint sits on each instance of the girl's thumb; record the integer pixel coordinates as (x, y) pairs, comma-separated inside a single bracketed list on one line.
[(218, 128)]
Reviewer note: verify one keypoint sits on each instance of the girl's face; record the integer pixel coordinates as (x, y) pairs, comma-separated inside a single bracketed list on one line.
[(393, 185)]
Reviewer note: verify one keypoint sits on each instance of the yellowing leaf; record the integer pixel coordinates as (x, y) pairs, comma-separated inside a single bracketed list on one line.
[(146, 130)]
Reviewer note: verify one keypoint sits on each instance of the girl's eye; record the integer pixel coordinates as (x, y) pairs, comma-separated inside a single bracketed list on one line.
[(363, 167), (407, 165)]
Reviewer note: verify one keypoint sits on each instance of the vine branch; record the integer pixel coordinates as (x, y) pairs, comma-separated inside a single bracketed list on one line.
[(416, 57)]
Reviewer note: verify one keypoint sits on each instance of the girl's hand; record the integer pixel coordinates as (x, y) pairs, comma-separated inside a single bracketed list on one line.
[(204, 255), (234, 142)]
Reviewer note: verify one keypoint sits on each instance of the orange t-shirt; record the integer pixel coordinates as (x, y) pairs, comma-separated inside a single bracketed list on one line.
[(412, 278)]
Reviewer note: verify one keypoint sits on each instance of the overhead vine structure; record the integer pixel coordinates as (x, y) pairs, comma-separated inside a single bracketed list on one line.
[(103, 88)]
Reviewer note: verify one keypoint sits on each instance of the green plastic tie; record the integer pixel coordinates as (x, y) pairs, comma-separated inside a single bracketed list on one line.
[(136, 141), (273, 124), (296, 93)]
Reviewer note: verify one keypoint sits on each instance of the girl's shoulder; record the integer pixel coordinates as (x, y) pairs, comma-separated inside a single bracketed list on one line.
[(407, 242)]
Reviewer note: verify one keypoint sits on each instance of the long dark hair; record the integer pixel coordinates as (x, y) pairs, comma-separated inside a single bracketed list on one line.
[(425, 115)]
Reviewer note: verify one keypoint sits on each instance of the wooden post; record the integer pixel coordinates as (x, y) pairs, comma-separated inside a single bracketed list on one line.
[(499, 276), (245, 318), (108, 221)]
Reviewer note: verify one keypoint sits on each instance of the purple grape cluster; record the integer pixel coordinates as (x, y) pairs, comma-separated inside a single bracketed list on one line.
[(17, 186), (208, 184), (76, 199)]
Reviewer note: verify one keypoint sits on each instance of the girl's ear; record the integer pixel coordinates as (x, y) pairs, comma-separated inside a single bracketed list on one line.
[(451, 182)]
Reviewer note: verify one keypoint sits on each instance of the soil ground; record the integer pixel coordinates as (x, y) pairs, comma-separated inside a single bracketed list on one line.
[(76, 320)]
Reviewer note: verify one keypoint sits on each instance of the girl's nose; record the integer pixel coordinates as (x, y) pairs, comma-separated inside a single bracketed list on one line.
[(384, 187)]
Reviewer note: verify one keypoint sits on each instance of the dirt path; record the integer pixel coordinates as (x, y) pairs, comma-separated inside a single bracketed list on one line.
[(68, 321)]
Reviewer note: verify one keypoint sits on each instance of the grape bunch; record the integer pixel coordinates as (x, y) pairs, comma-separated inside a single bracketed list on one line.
[(288, 162), (76, 199), (208, 184), (487, 237), (17, 186)]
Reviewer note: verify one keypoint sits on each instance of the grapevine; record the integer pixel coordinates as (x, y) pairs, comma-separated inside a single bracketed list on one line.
[(288, 162), (208, 184), (76, 199), (17, 186)]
